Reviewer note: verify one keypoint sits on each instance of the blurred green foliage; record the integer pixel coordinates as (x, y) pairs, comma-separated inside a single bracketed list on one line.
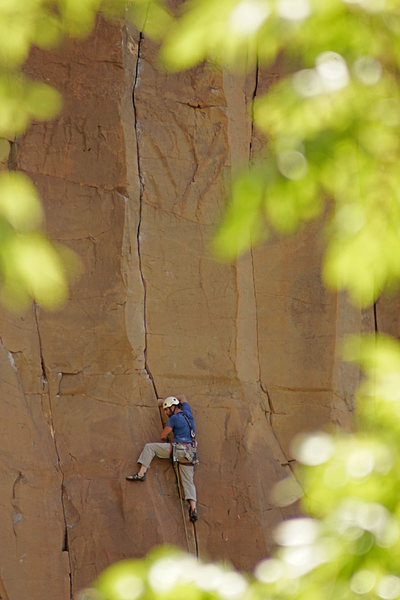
[(31, 267), (332, 121), (332, 124)]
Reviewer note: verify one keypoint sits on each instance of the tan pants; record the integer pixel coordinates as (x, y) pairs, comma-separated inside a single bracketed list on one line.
[(163, 450)]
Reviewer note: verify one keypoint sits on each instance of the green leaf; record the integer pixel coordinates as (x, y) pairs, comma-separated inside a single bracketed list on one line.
[(19, 201)]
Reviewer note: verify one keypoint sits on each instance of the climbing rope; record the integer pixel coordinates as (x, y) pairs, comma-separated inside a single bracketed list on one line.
[(178, 482)]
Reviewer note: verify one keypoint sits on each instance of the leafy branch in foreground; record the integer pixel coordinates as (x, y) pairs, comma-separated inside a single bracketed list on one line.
[(332, 125), (31, 267)]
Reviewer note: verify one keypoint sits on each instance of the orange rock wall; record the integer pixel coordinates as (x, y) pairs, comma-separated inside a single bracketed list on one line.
[(136, 188)]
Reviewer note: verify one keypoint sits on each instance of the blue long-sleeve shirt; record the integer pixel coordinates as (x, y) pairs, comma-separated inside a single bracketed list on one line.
[(180, 426)]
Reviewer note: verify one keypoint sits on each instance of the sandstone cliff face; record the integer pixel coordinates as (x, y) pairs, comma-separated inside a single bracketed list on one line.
[(135, 185)]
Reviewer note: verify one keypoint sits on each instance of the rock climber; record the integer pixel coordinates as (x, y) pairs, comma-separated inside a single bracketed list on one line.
[(181, 424)]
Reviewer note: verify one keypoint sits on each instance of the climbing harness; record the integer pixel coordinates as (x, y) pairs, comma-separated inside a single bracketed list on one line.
[(187, 452)]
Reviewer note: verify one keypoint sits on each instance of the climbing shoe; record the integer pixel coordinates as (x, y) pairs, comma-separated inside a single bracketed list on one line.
[(193, 515), (136, 477)]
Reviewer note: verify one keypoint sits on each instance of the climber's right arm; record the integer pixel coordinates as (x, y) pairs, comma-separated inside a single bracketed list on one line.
[(165, 433)]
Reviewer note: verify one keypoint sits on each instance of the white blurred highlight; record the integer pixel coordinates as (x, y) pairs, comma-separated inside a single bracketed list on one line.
[(360, 463), (332, 69), (248, 16), (128, 587), (208, 577), (232, 585), (388, 587), (303, 559), (315, 449), (169, 572), (330, 75), (292, 164), (350, 218), (294, 10), (165, 573), (296, 532), (362, 582), (286, 492), (307, 83), (355, 516), (388, 386), (269, 570)]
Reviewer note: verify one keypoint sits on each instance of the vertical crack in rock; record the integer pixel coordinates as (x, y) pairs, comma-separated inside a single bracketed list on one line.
[(45, 383), (269, 409), (12, 158), (46, 391), (252, 110), (376, 318), (139, 227)]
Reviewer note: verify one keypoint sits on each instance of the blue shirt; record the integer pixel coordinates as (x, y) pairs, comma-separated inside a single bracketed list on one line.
[(180, 426)]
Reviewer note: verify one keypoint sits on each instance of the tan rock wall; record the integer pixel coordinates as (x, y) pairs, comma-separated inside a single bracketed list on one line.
[(136, 188)]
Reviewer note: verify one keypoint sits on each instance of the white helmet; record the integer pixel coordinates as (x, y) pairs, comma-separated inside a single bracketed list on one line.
[(170, 401)]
